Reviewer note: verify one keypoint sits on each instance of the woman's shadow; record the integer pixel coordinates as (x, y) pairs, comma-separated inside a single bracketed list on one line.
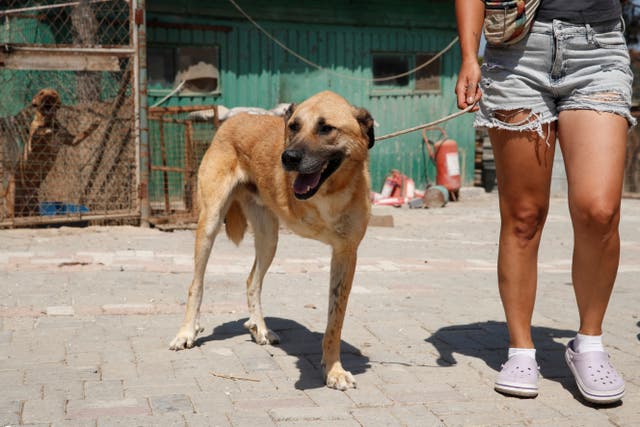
[(296, 340), (489, 341)]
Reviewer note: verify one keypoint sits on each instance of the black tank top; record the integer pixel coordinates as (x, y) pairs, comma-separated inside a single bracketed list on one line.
[(579, 11)]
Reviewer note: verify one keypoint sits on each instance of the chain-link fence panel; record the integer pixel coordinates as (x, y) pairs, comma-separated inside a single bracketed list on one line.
[(67, 115)]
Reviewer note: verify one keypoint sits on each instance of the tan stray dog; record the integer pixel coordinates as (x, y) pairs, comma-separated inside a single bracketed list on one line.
[(310, 171)]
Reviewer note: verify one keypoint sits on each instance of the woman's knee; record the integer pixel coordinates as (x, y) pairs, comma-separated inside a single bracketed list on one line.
[(597, 218), (526, 222)]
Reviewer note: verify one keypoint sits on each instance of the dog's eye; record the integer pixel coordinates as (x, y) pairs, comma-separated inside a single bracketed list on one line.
[(325, 129), (294, 126)]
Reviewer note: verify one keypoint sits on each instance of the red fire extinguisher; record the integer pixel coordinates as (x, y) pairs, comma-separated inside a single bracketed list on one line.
[(392, 184), (397, 190), (444, 153)]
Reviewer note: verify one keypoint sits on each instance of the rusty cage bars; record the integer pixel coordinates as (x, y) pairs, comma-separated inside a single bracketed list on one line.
[(177, 144)]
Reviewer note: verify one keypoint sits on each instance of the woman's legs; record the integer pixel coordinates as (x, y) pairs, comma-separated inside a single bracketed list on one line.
[(593, 146), (523, 167)]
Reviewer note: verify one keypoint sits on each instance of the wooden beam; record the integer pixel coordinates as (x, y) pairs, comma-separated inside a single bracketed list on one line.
[(58, 61)]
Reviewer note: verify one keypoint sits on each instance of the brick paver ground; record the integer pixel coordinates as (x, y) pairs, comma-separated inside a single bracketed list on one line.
[(86, 315)]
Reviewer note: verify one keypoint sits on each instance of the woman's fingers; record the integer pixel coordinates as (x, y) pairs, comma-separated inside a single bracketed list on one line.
[(467, 92)]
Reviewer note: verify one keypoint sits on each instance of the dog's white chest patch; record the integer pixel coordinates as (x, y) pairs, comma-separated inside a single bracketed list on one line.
[(344, 225)]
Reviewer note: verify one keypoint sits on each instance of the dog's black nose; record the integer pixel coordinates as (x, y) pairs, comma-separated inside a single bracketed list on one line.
[(291, 159)]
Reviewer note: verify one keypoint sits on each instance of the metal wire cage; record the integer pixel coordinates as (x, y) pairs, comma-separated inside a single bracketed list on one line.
[(67, 119)]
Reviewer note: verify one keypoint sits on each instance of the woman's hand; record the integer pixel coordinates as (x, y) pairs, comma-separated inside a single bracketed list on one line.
[(467, 90)]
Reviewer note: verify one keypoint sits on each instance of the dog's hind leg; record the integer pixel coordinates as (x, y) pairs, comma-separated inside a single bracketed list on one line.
[(213, 206), (265, 227), (343, 265)]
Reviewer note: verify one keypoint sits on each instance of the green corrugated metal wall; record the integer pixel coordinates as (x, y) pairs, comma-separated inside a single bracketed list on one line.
[(254, 71)]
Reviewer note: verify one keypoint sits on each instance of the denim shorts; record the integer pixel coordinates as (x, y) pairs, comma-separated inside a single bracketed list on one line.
[(558, 66)]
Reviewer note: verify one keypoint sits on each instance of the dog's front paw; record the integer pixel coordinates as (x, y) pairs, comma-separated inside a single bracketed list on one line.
[(185, 338), (261, 336), (267, 337), (340, 379)]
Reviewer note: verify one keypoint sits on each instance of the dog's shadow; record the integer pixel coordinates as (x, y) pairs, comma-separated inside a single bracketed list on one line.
[(296, 340), (489, 341)]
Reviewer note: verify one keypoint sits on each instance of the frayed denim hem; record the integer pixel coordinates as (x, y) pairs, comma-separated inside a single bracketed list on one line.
[(533, 122)]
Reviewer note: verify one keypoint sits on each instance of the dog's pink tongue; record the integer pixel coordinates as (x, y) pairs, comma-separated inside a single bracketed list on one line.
[(305, 181)]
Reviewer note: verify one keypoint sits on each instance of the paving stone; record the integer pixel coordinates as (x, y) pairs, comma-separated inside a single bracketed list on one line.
[(78, 360), (210, 383), (42, 411), (66, 390), (537, 410), (13, 376), (129, 407), (214, 402), (60, 310), (216, 419), (10, 412), (418, 393), (50, 373), (328, 398), (479, 419), (416, 415), (308, 414), (13, 392), (375, 416), (171, 403), (367, 396), (322, 423), (112, 309), (275, 401), (75, 423), (119, 370), (155, 387), (166, 420), (250, 419), (104, 390)]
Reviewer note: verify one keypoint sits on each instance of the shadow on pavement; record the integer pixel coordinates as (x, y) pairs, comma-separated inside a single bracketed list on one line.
[(489, 341), (296, 340)]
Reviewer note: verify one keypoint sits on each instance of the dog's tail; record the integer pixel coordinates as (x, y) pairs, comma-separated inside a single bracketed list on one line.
[(236, 223)]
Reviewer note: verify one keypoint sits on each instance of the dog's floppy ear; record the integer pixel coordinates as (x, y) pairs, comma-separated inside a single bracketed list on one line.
[(366, 124), (287, 114), (38, 98)]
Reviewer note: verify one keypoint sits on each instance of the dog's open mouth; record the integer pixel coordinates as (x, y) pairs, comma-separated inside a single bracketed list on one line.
[(307, 184)]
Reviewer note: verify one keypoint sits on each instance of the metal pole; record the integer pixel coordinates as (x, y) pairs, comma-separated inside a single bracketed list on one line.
[(142, 123), (165, 174), (189, 181)]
